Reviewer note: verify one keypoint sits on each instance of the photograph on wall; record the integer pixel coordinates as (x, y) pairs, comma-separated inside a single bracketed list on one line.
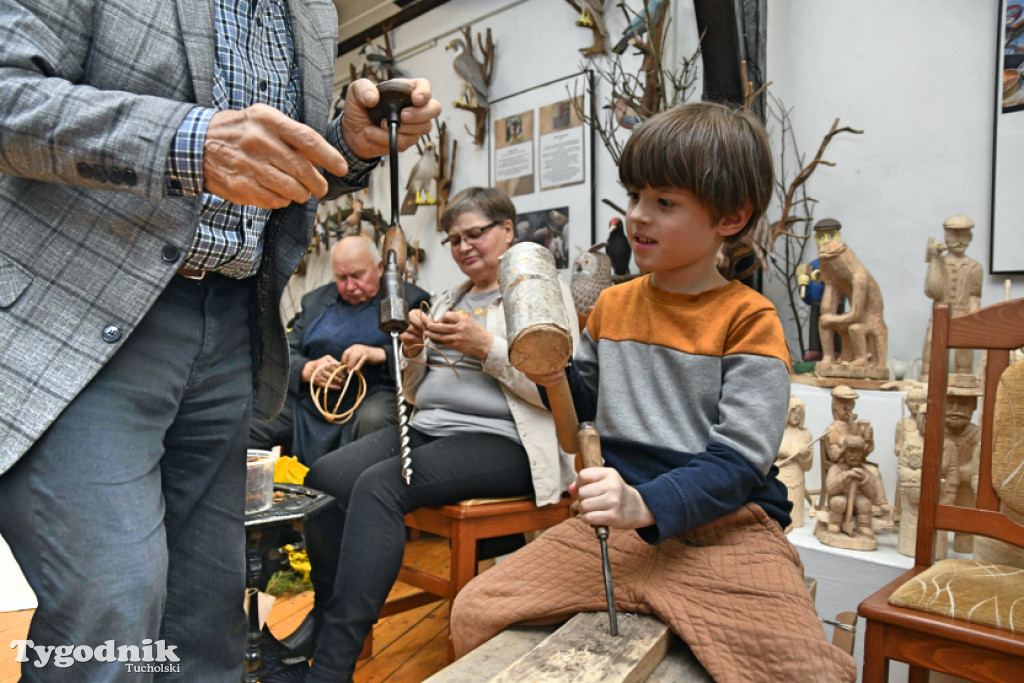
[(1007, 245), (513, 154), (548, 228), (1013, 57), (551, 176)]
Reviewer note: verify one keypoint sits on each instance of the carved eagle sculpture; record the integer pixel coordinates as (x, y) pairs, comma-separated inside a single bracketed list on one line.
[(591, 275)]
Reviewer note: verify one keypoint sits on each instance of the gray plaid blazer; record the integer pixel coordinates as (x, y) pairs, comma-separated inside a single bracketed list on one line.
[(91, 95)]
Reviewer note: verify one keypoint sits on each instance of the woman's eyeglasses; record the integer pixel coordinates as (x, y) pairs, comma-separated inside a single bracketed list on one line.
[(471, 235)]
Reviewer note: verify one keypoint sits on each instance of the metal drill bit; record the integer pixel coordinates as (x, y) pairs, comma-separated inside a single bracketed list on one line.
[(590, 455)]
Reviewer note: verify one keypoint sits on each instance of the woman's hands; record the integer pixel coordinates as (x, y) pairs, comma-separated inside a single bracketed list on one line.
[(459, 332), (606, 500), (412, 338)]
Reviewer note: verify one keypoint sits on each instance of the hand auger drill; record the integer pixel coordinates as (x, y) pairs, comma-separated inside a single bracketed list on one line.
[(394, 311), (540, 344)]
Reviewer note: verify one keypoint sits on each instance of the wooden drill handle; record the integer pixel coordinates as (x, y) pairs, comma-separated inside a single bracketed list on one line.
[(394, 96), (590, 445), (564, 412)]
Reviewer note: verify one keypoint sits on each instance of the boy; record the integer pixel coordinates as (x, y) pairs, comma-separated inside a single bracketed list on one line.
[(686, 377)]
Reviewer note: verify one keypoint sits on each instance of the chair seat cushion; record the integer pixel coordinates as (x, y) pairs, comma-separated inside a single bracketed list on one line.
[(976, 592)]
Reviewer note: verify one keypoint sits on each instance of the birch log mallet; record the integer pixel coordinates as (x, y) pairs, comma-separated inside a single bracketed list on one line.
[(539, 343)]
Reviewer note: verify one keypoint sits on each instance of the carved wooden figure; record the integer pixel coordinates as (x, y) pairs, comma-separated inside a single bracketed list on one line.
[(795, 458), (953, 278), (862, 329), (966, 439), (844, 519), (910, 450)]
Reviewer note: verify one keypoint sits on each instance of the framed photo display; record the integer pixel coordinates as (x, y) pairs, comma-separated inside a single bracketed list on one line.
[(541, 153)]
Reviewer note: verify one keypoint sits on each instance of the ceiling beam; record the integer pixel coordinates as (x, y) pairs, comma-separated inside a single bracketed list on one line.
[(410, 11)]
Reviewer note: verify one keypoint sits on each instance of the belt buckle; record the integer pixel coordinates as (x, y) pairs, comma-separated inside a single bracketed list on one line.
[(191, 274)]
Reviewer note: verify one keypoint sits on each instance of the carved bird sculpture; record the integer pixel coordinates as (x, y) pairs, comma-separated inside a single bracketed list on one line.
[(638, 26), (474, 85), (625, 115), (592, 17), (423, 171), (618, 247), (591, 274)]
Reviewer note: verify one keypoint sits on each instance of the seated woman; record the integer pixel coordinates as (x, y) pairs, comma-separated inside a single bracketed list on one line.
[(483, 432)]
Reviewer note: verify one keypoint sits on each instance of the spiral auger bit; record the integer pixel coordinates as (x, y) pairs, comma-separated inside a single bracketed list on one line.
[(394, 311)]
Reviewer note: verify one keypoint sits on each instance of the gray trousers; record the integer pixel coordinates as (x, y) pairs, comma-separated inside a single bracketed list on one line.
[(127, 515)]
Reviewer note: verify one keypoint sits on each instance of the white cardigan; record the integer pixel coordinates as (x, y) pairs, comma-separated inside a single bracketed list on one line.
[(552, 470)]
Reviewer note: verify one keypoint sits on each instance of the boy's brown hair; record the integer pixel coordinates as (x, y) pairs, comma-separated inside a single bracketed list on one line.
[(718, 153)]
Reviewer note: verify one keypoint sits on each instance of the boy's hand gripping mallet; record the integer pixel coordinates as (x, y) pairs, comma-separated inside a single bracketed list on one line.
[(539, 343), (394, 311)]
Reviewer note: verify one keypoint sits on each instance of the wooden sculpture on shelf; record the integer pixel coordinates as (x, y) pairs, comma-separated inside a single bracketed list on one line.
[(965, 436), (862, 329), (910, 451), (795, 458), (954, 278), (852, 505)]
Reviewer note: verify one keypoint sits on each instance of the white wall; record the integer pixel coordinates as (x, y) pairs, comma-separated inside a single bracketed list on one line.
[(920, 84)]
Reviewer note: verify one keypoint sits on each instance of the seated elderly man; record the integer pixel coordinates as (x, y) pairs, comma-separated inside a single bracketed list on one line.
[(337, 324)]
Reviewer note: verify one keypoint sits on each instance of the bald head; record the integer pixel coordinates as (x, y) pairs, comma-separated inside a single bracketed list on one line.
[(357, 269)]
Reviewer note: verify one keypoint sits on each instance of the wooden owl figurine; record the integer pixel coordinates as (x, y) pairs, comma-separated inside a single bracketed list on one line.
[(591, 273)]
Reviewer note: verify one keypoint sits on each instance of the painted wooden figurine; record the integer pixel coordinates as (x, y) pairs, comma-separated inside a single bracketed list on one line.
[(862, 329), (953, 278), (795, 458)]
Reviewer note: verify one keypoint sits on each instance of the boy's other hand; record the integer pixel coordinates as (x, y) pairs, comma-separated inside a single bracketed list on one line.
[(606, 500)]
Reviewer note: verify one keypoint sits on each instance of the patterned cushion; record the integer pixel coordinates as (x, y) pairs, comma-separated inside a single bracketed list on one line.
[(986, 594), (1008, 438)]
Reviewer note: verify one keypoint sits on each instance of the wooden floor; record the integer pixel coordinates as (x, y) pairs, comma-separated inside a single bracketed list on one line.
[(407, 647)]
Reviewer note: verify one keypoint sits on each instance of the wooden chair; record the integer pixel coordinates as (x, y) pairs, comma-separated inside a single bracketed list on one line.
[(464, 524), (941, 638)]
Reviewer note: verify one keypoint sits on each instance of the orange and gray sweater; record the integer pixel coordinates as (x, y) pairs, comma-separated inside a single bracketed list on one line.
[(690, 395)]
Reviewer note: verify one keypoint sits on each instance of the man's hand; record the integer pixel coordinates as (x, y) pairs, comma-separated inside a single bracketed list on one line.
[(319, 371), (368, 140), (358, 355), (260, 157), (606, 500), (461, 333)]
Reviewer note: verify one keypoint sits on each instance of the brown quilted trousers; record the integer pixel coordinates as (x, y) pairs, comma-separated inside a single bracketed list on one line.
[(733, 590)]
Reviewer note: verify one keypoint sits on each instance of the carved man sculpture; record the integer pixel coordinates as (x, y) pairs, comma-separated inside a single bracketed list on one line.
[(953, 278), (911, 456), (966, 438), (795, 458), (843, 434), (862, 329)]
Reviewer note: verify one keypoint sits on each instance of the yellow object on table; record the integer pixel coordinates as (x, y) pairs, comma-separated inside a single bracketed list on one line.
[(288, 470)]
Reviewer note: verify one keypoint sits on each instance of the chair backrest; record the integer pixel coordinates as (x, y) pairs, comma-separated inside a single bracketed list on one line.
[(996, 329)]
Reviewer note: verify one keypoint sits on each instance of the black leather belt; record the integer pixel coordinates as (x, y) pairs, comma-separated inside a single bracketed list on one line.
[(191, 273)]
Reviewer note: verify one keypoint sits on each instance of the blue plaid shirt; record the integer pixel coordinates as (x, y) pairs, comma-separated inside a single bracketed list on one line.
[(255, 63)]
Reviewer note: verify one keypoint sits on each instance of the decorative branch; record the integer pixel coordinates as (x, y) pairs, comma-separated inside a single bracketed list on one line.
[(445, 170), (806, 172)]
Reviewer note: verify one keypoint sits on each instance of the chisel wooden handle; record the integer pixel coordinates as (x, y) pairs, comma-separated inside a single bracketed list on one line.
[(590, 445)]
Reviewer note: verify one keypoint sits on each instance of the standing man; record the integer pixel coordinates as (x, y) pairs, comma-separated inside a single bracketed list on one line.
[(156, 182), (954, 278), (338, 325)]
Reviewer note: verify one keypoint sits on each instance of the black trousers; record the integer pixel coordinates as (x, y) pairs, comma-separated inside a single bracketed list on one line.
[(356, 546)]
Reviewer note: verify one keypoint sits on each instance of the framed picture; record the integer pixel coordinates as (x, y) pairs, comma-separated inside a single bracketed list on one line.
[(1007, 246), (541, 154)]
